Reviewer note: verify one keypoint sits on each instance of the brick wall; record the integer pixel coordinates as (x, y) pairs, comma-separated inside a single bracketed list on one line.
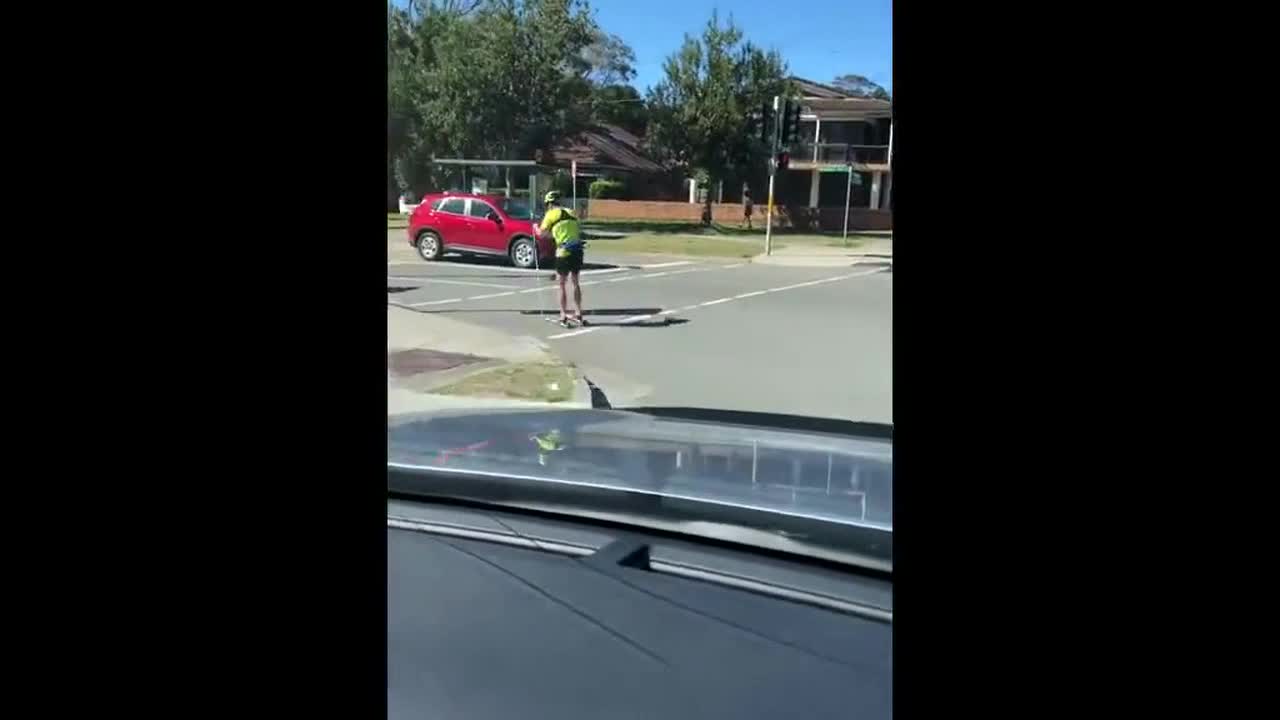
[(799, 217)]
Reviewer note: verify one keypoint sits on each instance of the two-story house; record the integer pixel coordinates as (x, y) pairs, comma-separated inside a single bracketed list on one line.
[(837, 128)]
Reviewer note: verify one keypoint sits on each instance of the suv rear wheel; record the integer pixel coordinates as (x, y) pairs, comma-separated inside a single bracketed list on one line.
[(429, 246)]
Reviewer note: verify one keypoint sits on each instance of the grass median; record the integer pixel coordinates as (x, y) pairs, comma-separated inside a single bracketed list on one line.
[(540, 382), (396, 221)]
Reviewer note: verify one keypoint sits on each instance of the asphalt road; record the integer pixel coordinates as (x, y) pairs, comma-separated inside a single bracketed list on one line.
[(694, 333)]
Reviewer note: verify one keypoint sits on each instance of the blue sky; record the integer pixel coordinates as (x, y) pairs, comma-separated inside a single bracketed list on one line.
[(819, 39)]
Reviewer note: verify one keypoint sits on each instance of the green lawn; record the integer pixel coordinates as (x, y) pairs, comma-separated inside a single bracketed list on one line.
[(397, 221), (543, 382)]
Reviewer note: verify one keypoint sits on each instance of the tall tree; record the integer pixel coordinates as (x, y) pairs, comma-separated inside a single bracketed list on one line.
[(608, 60), (861, 86), (699, 111), (483, 78), (620, 105)]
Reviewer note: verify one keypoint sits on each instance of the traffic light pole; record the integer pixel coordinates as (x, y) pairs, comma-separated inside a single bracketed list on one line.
[(848, 192), (773, 167)]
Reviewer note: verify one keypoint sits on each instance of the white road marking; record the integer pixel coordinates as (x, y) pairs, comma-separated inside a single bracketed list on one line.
[(436, 302), (681, 272), (667, 264), (709, 303), (511, 272), (728, 267), (450, 282), (494, 295), (571, 333)]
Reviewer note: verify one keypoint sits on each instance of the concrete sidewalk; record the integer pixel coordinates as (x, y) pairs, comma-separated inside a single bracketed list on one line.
[(426, 351), (869, 250)]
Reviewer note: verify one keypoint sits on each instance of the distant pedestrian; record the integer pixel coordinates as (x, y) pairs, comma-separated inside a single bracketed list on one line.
[(563, 228), (747, 207)]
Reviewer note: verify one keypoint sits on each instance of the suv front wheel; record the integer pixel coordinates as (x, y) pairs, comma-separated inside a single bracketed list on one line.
[(523, 253)]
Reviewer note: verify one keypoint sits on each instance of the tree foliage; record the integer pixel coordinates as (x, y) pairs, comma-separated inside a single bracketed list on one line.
[(620, 105), (860, 86), (483, 78), (608, 60), (605, 189), (699, 111)]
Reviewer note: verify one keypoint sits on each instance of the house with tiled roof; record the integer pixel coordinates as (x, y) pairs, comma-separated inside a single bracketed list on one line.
[(839, 131), (614, 152)]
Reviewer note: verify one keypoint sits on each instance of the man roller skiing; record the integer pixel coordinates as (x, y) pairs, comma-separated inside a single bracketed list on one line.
[(563, 228)]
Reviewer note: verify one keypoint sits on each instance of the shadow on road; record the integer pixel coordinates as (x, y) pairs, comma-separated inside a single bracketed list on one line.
[(591, 315), (502, 262), (652, 323), (554, 313)]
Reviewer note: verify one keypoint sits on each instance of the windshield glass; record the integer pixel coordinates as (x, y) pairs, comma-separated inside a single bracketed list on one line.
[(823, 477), (727, 248), (517, 209)]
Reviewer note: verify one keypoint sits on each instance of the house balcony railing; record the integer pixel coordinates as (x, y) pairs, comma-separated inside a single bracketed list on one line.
[(840, 153)]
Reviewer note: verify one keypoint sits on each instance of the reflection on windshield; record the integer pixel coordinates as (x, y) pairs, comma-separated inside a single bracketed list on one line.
[(831, 478)]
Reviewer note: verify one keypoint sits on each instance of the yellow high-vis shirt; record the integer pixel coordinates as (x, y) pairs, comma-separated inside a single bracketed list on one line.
[(563, 227)]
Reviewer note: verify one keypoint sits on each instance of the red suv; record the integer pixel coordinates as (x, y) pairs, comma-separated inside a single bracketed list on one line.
[(490, 225)]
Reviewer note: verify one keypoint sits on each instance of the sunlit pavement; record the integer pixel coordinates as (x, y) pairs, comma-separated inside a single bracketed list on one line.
[(691, 332)]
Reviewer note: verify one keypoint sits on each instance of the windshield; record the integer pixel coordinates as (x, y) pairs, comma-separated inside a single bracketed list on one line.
[(718, 267), (517, 209)]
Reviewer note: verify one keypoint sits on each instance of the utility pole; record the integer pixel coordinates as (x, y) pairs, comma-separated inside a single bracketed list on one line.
[(848, 189), (773, 167)]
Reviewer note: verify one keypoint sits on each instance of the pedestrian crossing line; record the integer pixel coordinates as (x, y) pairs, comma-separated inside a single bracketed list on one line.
[(430, 280), (719, 301), (667, 264), (571, 333)]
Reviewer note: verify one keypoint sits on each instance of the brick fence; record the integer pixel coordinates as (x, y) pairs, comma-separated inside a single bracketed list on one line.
[(799, 217)]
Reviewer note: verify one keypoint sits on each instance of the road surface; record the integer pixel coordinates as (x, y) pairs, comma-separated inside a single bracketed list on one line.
[(713, 333)]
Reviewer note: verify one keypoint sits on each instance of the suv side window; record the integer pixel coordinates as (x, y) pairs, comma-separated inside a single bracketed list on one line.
[(480, 209), (455, 206)]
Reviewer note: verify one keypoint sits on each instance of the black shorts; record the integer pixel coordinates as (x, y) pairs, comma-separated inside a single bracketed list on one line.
[(570, 264)]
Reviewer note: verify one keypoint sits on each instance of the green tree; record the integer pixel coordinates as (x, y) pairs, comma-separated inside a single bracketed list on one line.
[(860, 86), (608, 60), (620, 105), (698, 113), (483, 78)]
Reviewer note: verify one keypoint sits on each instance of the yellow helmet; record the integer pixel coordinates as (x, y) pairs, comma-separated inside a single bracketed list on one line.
[(551, 197)]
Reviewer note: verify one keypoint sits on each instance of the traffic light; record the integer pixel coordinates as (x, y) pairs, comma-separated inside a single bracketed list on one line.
[(790, 122), (783, 160)]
